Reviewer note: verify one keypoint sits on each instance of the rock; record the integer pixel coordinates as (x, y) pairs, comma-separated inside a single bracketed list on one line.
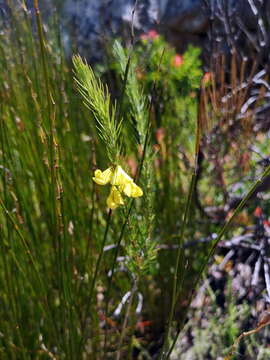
[(186, 16), (87, 23), (94, 20), (181, 20)]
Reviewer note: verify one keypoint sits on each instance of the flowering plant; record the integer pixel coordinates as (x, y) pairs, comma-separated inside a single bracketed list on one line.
[(121, 183)]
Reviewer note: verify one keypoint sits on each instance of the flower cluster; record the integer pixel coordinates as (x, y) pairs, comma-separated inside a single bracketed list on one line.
[(150, 35), (177, 60), (121, 184)]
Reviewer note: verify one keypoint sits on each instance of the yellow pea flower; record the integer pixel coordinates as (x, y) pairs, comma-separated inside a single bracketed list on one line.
[(103, 177), (120, 177), (121, 183), (132, 190), (114, 199)]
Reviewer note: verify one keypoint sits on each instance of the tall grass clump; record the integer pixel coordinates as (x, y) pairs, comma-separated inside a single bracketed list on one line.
[(87, 270)]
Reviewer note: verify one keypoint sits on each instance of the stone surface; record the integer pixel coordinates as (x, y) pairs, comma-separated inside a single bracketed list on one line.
[(181, 20), (89, 22), (94, 20)]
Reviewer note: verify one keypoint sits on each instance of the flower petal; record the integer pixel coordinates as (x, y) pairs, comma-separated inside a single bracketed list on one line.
[(120, 177), (114, 199), (103, 178), (132, 190)]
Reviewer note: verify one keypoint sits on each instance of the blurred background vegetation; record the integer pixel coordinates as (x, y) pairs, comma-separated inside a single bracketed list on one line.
[(79, 281)]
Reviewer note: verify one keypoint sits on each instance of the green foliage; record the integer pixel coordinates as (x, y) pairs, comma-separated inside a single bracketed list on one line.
[(134, 91), (141, 249), (171, 79), (66, 263), (159, 62), (96, 97), (217, 330), (213, 329)]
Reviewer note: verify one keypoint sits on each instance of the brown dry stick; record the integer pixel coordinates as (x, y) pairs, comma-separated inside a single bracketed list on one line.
[(263, 321)]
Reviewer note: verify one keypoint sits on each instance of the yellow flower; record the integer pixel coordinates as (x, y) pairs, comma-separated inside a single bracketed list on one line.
[(114, 199), (120, 177), (121, 183), (103, 177), (132, 190)]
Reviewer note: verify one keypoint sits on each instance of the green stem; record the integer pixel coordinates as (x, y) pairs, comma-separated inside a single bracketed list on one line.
[(180, 251), (95, 276), (124, 227), (12, 304), (50, 102), (32, 261), (55, 230), (123, 332), (138, 173), (122, 234), (178, 263), (113, 267), (121, 237)]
